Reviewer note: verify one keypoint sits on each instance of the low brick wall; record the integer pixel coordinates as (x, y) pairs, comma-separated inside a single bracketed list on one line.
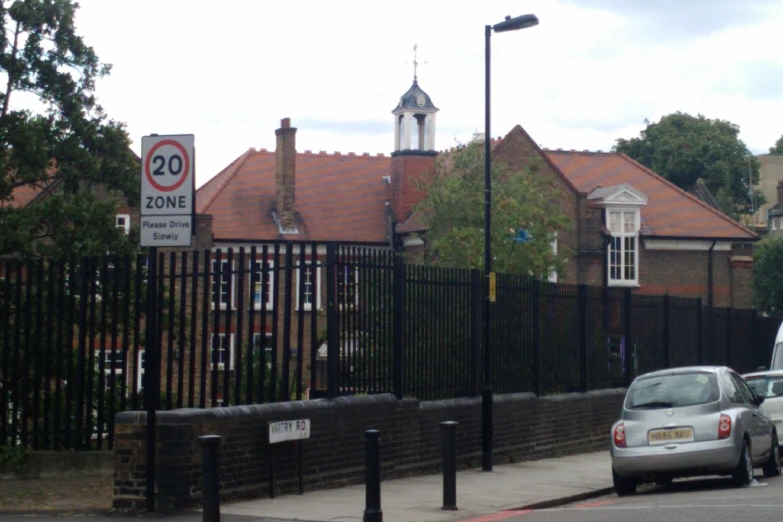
[(526, 428)]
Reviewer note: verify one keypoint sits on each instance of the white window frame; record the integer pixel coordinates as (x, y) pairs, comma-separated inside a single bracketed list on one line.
[(119, 369), (622, 235), (270, 302), (341, 281), (141, 360), (126, 225), (268, 337), (221, 366), (774, 223), (318, 292), (232, 297), (552, 272)]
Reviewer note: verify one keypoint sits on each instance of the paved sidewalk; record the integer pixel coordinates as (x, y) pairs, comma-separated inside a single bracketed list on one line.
[(419, 499)]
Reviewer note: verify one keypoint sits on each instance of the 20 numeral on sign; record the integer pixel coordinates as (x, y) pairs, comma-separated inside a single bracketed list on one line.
[(162, 162)]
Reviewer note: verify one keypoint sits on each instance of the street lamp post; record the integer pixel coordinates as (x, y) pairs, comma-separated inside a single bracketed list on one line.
[(509, 24)]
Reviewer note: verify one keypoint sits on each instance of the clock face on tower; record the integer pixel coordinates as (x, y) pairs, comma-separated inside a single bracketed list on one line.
[(420, 100)]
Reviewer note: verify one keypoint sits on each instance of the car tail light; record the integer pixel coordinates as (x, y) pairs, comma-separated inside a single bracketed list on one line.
[(724, 427), (619, 435)]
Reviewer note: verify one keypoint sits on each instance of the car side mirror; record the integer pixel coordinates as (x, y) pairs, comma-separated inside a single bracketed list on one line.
[(758, 400)]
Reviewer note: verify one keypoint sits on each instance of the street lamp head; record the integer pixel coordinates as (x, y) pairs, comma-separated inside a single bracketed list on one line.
[(519, 22)]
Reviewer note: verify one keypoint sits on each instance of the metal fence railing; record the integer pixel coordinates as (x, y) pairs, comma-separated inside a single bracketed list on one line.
[(297, 320)]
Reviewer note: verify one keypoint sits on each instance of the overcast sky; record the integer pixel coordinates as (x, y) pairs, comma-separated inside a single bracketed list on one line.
[(591, 72)]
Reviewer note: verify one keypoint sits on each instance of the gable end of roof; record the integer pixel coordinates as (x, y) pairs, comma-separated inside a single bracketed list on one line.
[(519, 129)]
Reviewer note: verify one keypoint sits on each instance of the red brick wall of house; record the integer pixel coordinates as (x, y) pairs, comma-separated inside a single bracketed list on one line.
[(592, 257), (741, 266), (685, 273), (407, 168), (517, 151)]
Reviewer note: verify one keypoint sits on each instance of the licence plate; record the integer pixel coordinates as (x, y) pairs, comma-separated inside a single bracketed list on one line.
[(664, 436)]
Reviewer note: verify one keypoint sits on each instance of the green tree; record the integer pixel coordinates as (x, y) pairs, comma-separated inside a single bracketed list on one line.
[(453, 211), (767, 276), (61, 143), (778, 148), (684, 148)]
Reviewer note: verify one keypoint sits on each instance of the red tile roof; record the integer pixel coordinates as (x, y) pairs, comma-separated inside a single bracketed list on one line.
[(26, 194), (343, 197), (23, 195), (338, 197), (670, 211)]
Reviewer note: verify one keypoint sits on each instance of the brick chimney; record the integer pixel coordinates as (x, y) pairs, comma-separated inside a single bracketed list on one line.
[(780, 194), (285, 178), (407, 167)]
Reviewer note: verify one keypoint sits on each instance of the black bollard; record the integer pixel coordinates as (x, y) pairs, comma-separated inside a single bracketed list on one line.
[(372, 509), (210, 483), (449, 465), (486, 428)]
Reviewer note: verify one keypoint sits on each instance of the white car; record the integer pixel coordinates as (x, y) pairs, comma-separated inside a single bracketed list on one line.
[(769, 385)]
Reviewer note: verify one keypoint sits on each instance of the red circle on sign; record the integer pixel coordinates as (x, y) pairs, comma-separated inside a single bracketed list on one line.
[(179, 183)]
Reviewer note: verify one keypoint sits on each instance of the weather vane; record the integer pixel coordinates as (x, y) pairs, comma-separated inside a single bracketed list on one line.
[(415, 62)]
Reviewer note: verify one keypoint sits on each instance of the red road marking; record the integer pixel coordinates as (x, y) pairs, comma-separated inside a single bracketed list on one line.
[(500, 515), (588, 505)]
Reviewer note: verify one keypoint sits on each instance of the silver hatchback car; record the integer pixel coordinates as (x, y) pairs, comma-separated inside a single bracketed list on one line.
[(700, 420)]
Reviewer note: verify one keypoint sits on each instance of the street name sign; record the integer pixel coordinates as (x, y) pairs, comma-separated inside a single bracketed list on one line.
[(289, 430), (167, 190)]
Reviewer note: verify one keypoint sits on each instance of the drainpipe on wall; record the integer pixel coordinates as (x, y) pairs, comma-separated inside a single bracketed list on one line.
[(606, 250), (709, 276)]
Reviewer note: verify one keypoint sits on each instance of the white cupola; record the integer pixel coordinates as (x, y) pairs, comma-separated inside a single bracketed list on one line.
[(414, 121)]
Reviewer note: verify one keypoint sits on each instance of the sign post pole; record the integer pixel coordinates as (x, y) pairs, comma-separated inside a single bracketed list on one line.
[(167, 220), (151, 380)]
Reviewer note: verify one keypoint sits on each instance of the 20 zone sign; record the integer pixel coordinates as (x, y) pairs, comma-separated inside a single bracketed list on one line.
[(167, 165), (167, 175), (167, 186)]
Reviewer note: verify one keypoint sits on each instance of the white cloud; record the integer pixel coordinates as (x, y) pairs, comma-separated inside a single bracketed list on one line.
[(590, 73)]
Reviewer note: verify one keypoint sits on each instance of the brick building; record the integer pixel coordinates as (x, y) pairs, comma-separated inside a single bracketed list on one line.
[(127, 217), (775, 211), (632, 228), (628, 226)]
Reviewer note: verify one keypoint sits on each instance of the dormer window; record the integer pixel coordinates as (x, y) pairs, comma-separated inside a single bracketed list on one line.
[(623, 204), (623, 255)]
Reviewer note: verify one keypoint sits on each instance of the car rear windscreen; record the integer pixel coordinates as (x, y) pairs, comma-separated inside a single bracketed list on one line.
[(673, 391), (766, 386)]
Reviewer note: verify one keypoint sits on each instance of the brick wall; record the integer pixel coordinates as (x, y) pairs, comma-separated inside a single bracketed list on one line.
[(591, 256), (526, 428), (406, 168), (518, 151)]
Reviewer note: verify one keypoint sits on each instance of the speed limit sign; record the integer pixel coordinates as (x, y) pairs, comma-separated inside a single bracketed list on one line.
[(167, 187)]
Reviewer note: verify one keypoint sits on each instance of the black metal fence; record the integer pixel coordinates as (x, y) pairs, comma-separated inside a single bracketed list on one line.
[(293, 320)]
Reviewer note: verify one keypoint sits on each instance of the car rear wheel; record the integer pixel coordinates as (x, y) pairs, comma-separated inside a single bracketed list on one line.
[(622, 485), (772, 466), (743, 473)]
